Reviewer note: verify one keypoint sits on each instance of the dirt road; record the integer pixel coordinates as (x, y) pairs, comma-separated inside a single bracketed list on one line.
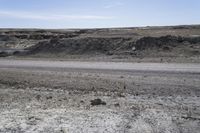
[(156, 67), (56, 96)]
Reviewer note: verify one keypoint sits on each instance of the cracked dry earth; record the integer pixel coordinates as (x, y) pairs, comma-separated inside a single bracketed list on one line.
[(36, 100)]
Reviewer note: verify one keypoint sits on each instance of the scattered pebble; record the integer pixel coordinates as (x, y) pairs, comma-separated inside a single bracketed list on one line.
[(97, 102)]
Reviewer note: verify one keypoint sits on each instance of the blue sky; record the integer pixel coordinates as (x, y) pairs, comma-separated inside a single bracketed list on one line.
[(97, 13)]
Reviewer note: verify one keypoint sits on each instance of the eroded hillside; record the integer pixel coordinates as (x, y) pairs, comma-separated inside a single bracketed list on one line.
[(146, 42)]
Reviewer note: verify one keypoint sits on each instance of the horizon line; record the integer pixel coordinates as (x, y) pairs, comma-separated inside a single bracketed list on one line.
[(114, 27)]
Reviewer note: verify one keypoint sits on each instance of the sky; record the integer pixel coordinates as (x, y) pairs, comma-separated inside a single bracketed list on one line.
[(56, 14)]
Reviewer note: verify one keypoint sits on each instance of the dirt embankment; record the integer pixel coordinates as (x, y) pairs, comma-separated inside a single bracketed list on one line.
[(81, 45), (168, 45), (154, 42), (18, 39)]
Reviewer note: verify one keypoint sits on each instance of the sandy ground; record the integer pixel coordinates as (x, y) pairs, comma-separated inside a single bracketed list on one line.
[(55, 96)]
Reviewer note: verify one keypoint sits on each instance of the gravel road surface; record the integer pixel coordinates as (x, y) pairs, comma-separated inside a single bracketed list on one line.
[(101, 97)]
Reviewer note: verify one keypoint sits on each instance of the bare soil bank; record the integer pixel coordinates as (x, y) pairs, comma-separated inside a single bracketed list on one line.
[(157, 43)]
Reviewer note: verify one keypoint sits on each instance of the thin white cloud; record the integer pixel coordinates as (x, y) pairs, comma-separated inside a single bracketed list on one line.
[(38, 16), (116, 4)]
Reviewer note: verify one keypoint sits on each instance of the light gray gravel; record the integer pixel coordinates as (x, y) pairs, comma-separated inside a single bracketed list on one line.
[(169, 67), (55, 97)]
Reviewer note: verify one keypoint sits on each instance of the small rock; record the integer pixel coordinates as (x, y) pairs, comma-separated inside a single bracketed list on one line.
[(117, 105), (32, 120), (38, 97), (97, 102), (133, 48), (64, 130), (49, 97), (121, 77)]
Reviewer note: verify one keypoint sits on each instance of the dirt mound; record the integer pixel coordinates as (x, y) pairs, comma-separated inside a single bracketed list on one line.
[(7, 38), (81, 45), (164, 42), (25, 38), (119, 46), (4, 38), (36, 36), (3, 54)]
